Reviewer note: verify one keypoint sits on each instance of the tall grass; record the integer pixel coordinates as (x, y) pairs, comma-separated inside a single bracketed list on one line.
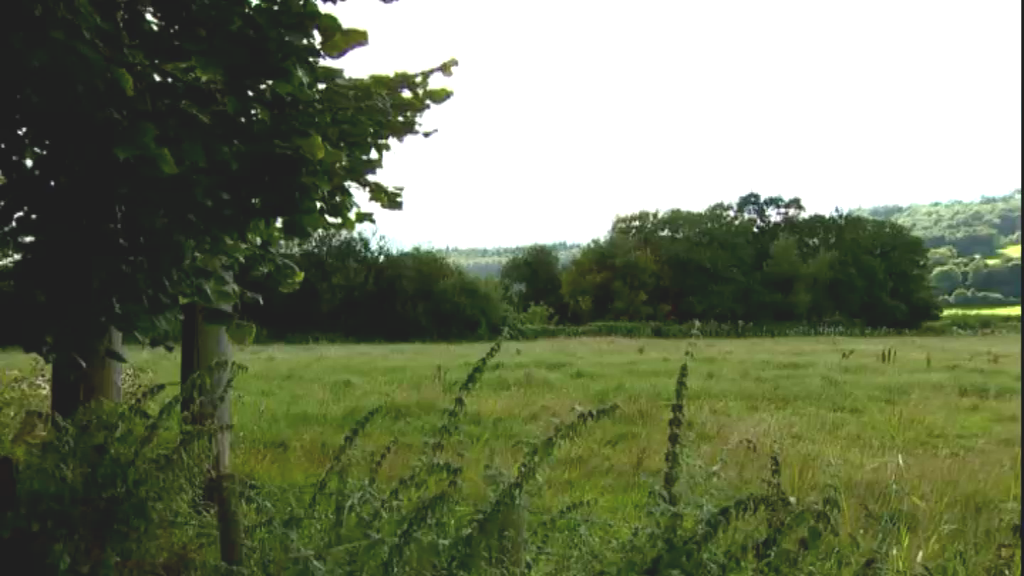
[(119, 490), (986, 321)]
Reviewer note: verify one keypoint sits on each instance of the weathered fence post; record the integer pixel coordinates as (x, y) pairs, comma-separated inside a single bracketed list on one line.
[(83, 372), (206, 353)]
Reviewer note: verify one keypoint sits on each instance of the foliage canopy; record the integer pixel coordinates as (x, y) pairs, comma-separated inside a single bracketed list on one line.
[(151, 149)]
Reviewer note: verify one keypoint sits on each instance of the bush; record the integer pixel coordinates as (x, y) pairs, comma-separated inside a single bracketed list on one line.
[(355, 291), (539, 315), (533, 277), (117, 489)]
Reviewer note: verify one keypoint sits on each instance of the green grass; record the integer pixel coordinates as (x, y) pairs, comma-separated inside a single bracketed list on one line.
[(933, 438), (1000, 311)]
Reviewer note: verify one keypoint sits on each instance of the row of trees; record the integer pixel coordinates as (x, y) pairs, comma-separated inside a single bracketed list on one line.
[(978, 228), (758, 260), (357, 288)]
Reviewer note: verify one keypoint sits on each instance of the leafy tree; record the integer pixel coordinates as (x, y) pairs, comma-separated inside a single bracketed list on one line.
[(424, 297), (768, 211), (945, 279), (960, 296), (941, 256), (339, 270), (360, 290), (200, 136), (533, 277), (1001, 278), (976, 273), (784, 279), (753, 261)]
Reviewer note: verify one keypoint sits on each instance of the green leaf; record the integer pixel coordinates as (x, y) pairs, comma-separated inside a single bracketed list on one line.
[(336, 41), (343, 40), (438, 95), (166, 161), (194, 110), (125, 80), (223, 296), (388, 198), (328, 26), (252, 297), (116, 356), (446, 68), (329, 74), (312, 146), (333, 156), (242, 333), (289, 276)]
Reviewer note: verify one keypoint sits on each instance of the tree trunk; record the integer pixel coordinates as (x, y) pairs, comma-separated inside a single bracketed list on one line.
[(205, 349), (189, 357), (84, 373)]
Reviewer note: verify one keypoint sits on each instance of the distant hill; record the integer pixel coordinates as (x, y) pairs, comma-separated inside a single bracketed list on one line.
[(981, 227), (487, 262)]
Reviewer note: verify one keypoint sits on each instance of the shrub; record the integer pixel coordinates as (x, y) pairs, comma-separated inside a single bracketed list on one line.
[(117, 489), (539, 315)]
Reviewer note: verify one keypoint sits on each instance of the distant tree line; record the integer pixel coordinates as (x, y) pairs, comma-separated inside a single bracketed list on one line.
[(968, 259), (759, 260), (356, 288)]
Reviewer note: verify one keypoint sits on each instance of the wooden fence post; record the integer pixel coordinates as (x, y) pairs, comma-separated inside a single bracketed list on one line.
[(207, 349)]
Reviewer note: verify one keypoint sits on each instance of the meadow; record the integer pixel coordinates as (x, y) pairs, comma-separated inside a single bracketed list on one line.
[(996, 311), (923, 451)]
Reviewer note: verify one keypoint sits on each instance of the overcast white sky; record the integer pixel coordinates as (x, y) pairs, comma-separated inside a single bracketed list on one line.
[(569, 112)]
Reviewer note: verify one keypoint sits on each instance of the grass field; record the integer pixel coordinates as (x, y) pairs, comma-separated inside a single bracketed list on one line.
[(1000, 311), (932, 439)]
